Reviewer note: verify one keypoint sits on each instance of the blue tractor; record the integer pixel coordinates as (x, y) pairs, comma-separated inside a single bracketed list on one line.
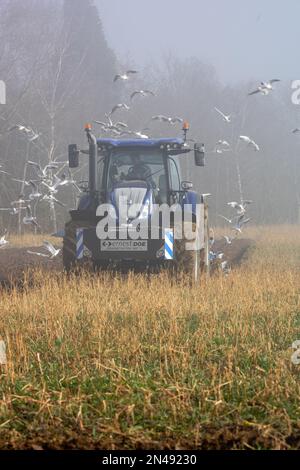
[(133, 204)]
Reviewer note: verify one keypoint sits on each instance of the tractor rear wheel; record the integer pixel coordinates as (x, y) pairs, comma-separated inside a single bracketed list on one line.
[(69, 247)]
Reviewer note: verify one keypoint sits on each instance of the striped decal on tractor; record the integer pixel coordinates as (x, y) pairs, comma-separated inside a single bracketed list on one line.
[(79, 243), (169, 244)]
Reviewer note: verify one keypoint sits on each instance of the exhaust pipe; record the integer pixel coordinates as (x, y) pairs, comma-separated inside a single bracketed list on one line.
[(93, 158)]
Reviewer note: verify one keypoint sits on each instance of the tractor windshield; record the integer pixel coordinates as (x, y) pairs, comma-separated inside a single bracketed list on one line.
[(138, 165)]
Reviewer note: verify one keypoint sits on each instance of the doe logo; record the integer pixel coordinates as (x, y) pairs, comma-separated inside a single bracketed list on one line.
[(2, 92)]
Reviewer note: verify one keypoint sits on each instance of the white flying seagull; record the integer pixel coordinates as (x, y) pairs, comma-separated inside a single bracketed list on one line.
[(110, 127), (223, 143), (53, 252), (249, 142), (169, 120), (230, 221), (3, 241), (55, 184), (16, 211), (228, 240), (31, 135), (51, 249), (226, 118), (20, 201), (68, 181), (120, 106), (125, 76), (240, 207), (237, 222), (42, 172), (29, 219), (221, 147), (265, 87), (52, 199), (2, 171), (237, 226), (35, 194), (141, 93), (141, 135)]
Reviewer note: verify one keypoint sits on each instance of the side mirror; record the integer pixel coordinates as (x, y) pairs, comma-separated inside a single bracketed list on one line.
[(186, 185), (73, 156), (199, 150)]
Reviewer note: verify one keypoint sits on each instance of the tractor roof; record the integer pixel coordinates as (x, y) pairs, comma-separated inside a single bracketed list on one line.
[(142, 143)]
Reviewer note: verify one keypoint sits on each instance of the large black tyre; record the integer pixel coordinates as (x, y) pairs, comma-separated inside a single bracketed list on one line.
[(100, 266), (187, 262), (69, 247)]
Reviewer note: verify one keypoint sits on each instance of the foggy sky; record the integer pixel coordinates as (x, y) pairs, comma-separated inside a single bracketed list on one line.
[(255, 39)]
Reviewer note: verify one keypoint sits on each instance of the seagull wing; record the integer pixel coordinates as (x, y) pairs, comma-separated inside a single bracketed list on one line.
[(274, 80), (28, 211), (47, 186), (121, 124), (36, 165), (117, 77), (57, 202), (245, 138), (51, 166), (49, 247), (149, 92), (33, 185), (176, 119), (225, 218), (102, 124), (19, 181), (233, 204), (135, 93), (118, 106), (37, 254), (254, 92), (130, 72), (220, 112), (245, 221)]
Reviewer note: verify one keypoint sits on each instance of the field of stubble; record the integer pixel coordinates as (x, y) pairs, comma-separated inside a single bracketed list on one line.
[(103, 362)]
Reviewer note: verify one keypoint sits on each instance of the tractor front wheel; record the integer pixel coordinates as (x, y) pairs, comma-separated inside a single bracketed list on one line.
[(188, 261), (69, 247)]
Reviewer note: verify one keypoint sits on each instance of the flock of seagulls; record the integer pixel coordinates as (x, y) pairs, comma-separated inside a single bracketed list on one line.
[(239, 220), (120, 129), (43, 188), (236, 223)]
